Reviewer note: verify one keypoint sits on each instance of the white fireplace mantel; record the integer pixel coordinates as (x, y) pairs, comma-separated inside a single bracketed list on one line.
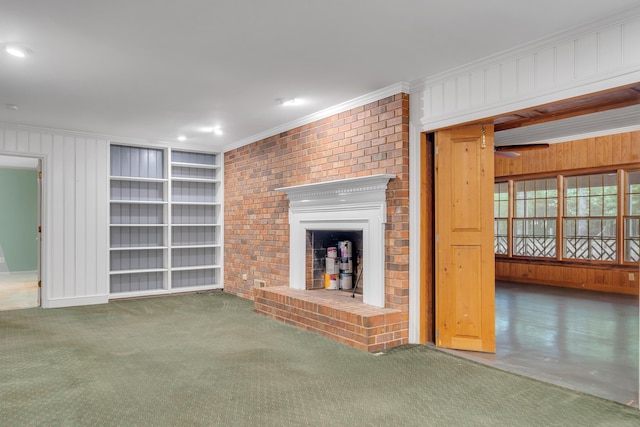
[(347, 204)]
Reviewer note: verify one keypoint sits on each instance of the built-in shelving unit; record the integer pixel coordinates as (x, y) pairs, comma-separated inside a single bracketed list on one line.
[(196, 216), (165, 221)]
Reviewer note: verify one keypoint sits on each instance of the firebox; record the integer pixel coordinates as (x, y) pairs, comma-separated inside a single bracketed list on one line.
[(334, 260)]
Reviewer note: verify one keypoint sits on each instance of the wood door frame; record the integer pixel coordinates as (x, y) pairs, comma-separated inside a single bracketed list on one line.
[(427, 253)]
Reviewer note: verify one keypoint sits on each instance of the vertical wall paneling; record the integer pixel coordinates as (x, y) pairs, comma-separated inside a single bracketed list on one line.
[(565, 59), (69, 218), (81, 211), (477, 88), (526, 74), (545, 69), (508, 78), (492, 81), (73, 212), (590, 59), (630, 37), (610, 48)]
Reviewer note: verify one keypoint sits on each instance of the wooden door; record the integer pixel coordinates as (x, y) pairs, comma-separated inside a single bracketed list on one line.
[(465, 270)]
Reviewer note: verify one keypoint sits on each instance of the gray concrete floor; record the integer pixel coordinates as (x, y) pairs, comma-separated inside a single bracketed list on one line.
[(582, 340)]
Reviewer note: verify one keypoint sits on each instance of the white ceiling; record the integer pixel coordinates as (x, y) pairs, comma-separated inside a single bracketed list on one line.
[(153, 70)]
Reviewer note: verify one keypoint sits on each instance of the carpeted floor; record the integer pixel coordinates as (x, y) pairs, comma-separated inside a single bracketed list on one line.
[(207, 359)]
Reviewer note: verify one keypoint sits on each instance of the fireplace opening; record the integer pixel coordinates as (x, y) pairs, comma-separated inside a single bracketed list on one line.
[(334, 260)]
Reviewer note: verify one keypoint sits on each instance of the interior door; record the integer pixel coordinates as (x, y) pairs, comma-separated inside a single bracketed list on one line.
[(465, 269)]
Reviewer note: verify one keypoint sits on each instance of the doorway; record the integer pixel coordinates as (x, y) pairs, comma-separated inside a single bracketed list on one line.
[(19, 232), (506, 293)]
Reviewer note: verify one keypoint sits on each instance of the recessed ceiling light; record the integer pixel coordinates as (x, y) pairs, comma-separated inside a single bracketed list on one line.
[(293, 101), (182, 138), (16, 51), (13, 107), (217, 131)]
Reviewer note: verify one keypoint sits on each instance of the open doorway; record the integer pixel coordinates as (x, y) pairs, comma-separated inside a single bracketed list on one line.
[(19, 232), (566, 321)]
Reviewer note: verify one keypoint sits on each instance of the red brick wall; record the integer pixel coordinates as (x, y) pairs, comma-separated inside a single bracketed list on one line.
[(371, 139)]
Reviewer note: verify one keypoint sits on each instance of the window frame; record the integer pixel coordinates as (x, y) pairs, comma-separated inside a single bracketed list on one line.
[(620, 218)]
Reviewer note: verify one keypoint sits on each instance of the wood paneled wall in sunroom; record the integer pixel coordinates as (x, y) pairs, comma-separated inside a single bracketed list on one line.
[(586, 156)]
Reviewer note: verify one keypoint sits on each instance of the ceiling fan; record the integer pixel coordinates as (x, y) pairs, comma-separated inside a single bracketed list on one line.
[(513, 151)]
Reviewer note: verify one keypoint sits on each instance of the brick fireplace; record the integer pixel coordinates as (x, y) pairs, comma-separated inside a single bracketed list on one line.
[(350, 209), (354, 204)]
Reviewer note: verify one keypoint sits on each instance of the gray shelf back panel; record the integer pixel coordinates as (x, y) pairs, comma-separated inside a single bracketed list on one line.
[(137, 162), (193, 257), (184, 191), (122, 213), (192, 236), (194, 214), (135, 282), (137, 190), (132, 237), (194, 158), (190, 278), (198, 173), (142, 259)]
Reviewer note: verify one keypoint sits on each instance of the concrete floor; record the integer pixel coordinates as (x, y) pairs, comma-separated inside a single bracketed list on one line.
[(582, 340)]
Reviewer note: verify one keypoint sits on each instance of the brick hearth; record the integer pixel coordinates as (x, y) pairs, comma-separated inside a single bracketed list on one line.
[(334, 314)]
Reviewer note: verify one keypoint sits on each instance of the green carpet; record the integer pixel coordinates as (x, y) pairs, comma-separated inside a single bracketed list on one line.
[(207, 359)]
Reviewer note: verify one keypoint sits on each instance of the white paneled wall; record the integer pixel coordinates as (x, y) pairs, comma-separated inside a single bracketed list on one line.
[(75, 235), (593, 58)]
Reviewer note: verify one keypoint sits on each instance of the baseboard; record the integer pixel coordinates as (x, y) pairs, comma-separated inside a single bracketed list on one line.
[(75, 301)]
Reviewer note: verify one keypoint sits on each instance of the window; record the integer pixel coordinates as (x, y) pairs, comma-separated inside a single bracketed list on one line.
[(535, 218), (591, 209), (632, 218), (501, 218), (594, 217)]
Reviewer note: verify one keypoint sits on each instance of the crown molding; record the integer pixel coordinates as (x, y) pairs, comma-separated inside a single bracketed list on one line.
[(394, 89)]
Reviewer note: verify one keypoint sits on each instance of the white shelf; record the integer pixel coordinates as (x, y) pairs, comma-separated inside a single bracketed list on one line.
[(197, 203), (196, 246), (138, 179), (146, 270), (196, 225), (138, 225), (196, 267), (137, 248), (212, 180), (139, 202), (195, 165)]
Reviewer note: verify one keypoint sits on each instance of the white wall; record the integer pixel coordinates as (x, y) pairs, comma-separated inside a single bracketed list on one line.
[(595, 57), (74, 219)]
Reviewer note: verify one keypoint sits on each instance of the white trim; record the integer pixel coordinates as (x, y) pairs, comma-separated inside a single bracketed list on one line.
[(394, 89), (610, 122), (76, 301), (176, 145), (537, 98), (415, 281)]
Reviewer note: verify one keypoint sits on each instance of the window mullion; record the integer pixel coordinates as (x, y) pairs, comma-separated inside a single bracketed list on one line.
[(511, 198), (620, 218), (560, 220)]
